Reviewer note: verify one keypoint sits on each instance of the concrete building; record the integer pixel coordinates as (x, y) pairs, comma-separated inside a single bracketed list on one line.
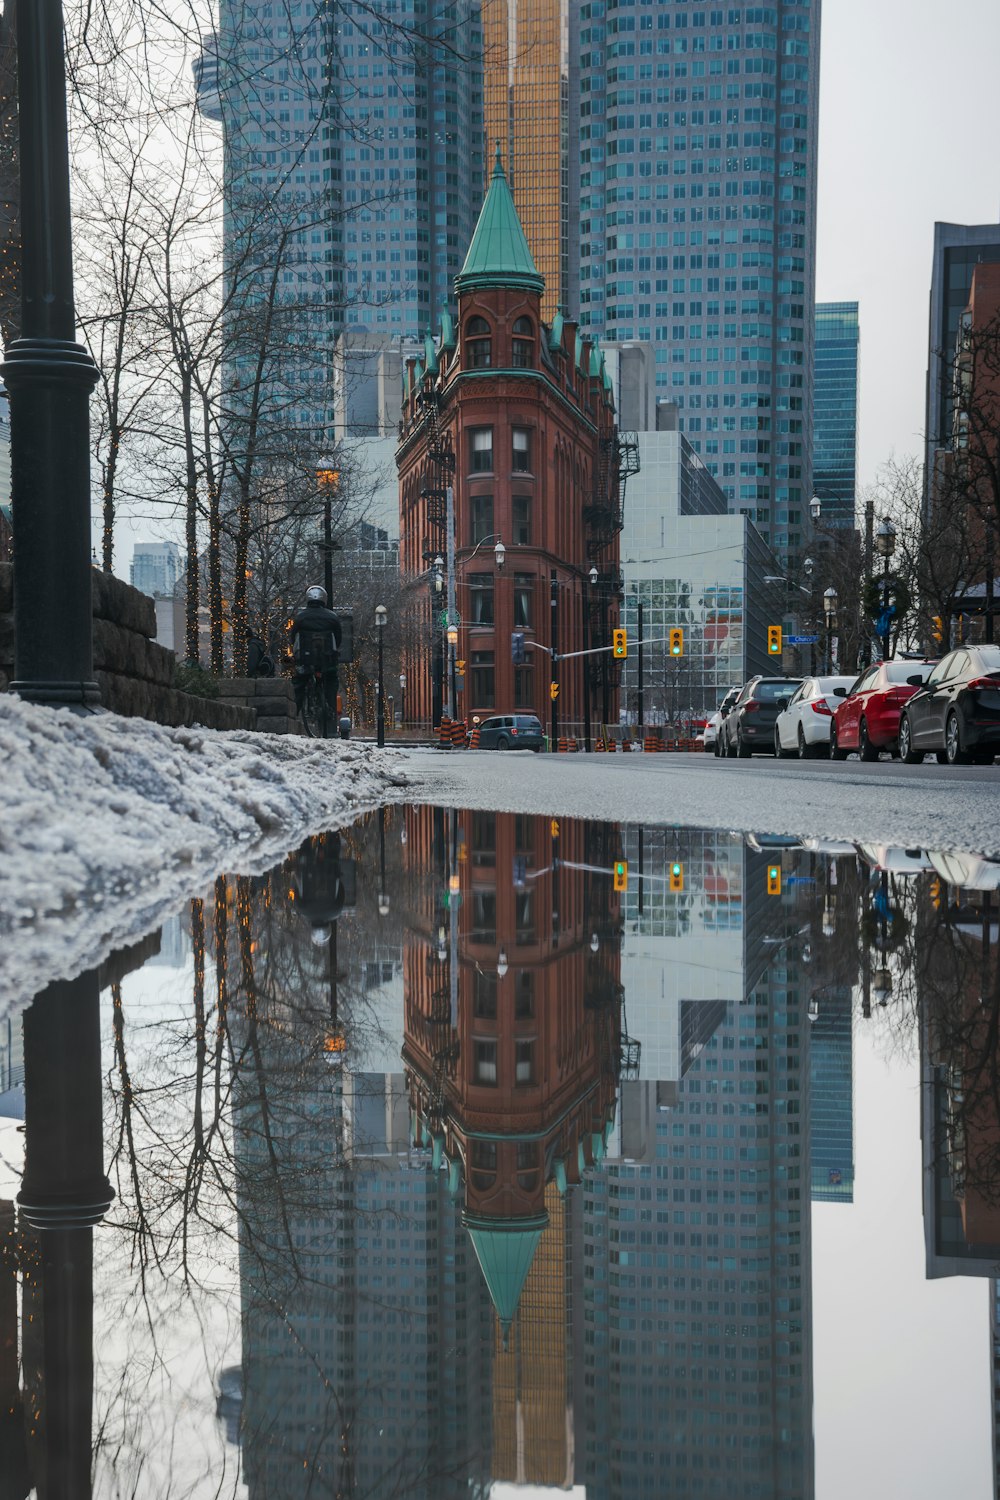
[(156, 569), (514, 420), (835, 412), (693, 161), (958, 249)]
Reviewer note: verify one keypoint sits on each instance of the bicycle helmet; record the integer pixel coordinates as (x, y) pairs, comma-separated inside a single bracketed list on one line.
[(315, 594)]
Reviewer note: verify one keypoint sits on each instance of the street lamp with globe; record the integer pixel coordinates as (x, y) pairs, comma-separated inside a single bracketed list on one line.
[(381, 615), (885, 544), (830, 616)]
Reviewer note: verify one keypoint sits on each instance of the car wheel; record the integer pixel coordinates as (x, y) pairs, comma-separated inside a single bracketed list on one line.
[(953, 742), (741, 750), (730, 748), (866, 750), (805, 751), (779, 750), (503, 743), (907, 754), (835, 751)]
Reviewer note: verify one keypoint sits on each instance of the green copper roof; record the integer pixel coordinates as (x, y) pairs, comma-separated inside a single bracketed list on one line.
[(578, 350), (556, 331), (448, 339), (430, 354), (499, 254), (595, 362), (505, 1249)]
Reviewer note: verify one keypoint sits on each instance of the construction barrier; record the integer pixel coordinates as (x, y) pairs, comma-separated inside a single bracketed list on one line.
[(474, 738), (626, 745), (567, 746), (652, 742), (458, 734), (444, 733)]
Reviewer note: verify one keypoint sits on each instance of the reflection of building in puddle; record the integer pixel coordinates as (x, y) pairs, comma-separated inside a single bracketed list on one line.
[(512, 1047), (959, 983)]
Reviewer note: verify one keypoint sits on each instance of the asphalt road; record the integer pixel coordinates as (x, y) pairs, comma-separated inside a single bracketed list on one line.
[(935, 807)]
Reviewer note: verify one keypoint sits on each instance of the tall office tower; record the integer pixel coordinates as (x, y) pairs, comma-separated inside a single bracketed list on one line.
[(526, 96), (835, 411), (353, 168), (958, 249), (156, 568), (693, 160)]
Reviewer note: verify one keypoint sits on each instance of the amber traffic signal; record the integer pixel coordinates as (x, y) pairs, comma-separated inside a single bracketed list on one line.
[(774, 640), (621, 875), (619, 644), (553, 691), (676, 641)]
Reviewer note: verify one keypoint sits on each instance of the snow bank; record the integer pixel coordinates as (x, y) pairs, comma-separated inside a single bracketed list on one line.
[(105, 821)]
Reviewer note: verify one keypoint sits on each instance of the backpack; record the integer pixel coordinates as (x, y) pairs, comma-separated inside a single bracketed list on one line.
[(317, 652)]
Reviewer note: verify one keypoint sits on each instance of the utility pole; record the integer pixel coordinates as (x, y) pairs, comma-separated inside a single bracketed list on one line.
[(554, 637), (585, 663), (451, 627), (642, 712), (869, 551)]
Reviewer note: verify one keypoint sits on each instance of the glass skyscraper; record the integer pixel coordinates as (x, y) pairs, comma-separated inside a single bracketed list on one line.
[(835, 411), (694, 165)]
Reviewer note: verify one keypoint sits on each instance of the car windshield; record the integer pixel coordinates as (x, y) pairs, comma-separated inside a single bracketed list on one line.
[(767, 692), (827, 684), (901, 671), (527, 721)]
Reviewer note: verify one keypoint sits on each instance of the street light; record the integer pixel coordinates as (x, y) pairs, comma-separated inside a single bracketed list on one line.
[(380, 619), (885, 543), (501, 963), (815, 506), (593, 576), (830, 615), (402, 698)]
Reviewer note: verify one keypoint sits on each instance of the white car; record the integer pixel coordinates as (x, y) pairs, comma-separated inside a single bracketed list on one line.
[(803, 726), (710, 734)]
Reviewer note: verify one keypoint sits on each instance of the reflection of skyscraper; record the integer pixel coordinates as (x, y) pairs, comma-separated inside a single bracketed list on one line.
[(696, 1372), (831, 1085)]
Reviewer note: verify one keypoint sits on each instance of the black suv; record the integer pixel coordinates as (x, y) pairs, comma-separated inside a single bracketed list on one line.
[(748, 728)]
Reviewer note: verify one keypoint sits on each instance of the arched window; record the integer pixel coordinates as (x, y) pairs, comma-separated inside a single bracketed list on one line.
[(523, 348), (478, 344)]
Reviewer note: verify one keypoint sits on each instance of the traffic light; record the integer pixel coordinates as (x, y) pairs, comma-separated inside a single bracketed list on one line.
[(676, 876), (553, 691), (517, 652), (619, 644), (774, 880), (621, 875), (676, 641), (774, 640), (937, 633), (554, 828)]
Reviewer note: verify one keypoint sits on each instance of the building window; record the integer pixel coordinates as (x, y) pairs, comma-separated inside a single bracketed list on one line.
[(524, 688), (484, 1164), (481, 599), (524, 1061), (484, 839), (523, 349), (521, 454), (521, 514), (484, 915), (485, 1053), (524, 584), (480, 518), (524, 919), (485, 998), (482, 687), (478, 344), (524, 995), (481, 450), (527, 1165)]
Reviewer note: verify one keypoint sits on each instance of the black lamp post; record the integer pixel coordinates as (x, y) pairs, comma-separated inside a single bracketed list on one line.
[(380, 619), (49, 377), (885, 542), (830, 616), (402, 699)]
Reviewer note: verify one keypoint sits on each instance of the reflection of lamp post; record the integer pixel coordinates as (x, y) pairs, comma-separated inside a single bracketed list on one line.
[(885, 543), (402, 698), (383, 897), (501, 963), (882, 985), (328, 480), (815, 506), (830, 616), (380, 619)]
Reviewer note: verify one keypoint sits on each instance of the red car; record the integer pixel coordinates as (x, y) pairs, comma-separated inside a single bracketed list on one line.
[(868, 719)]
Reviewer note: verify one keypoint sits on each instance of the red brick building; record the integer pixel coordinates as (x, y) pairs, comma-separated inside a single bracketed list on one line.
[(515, 421)]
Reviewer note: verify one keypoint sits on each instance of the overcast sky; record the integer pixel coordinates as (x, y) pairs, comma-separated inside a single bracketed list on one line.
[(908, 135)]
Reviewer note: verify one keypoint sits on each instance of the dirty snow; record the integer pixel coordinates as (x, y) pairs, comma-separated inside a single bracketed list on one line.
[(106, 820)]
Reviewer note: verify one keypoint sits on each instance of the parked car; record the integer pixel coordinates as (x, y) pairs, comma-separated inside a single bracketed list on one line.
[(955, 712), (748, 728), (511, 732), (710, 735), (804, 726), (868, 719)]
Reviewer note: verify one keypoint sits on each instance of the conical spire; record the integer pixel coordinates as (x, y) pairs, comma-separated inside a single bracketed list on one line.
[(499, 253), (505, 1249)]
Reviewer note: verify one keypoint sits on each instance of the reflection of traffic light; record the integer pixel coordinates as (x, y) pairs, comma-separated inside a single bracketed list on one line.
[(676, 876), (774, 640), (619, 644), (937, 633), (676, 641), (774, 880), (621, 875), (517, 652), (554, 828)]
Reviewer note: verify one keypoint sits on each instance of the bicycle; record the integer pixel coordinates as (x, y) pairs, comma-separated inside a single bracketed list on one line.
[(315, 711)]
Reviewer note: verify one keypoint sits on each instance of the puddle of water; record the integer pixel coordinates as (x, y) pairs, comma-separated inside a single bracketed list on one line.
[(467, 1150)]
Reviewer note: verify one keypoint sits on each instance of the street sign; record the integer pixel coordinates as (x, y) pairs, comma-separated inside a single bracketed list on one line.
[(801, 640)]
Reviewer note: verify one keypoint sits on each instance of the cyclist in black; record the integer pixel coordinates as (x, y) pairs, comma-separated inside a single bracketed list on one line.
[(316, 638)]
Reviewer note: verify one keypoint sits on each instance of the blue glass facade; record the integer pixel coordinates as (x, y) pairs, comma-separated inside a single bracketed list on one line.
[(831, 1070), (835, 411), (695, 170)]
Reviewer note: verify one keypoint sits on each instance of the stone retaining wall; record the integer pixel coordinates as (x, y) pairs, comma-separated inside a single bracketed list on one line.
[(273, 698), (133, 671)]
